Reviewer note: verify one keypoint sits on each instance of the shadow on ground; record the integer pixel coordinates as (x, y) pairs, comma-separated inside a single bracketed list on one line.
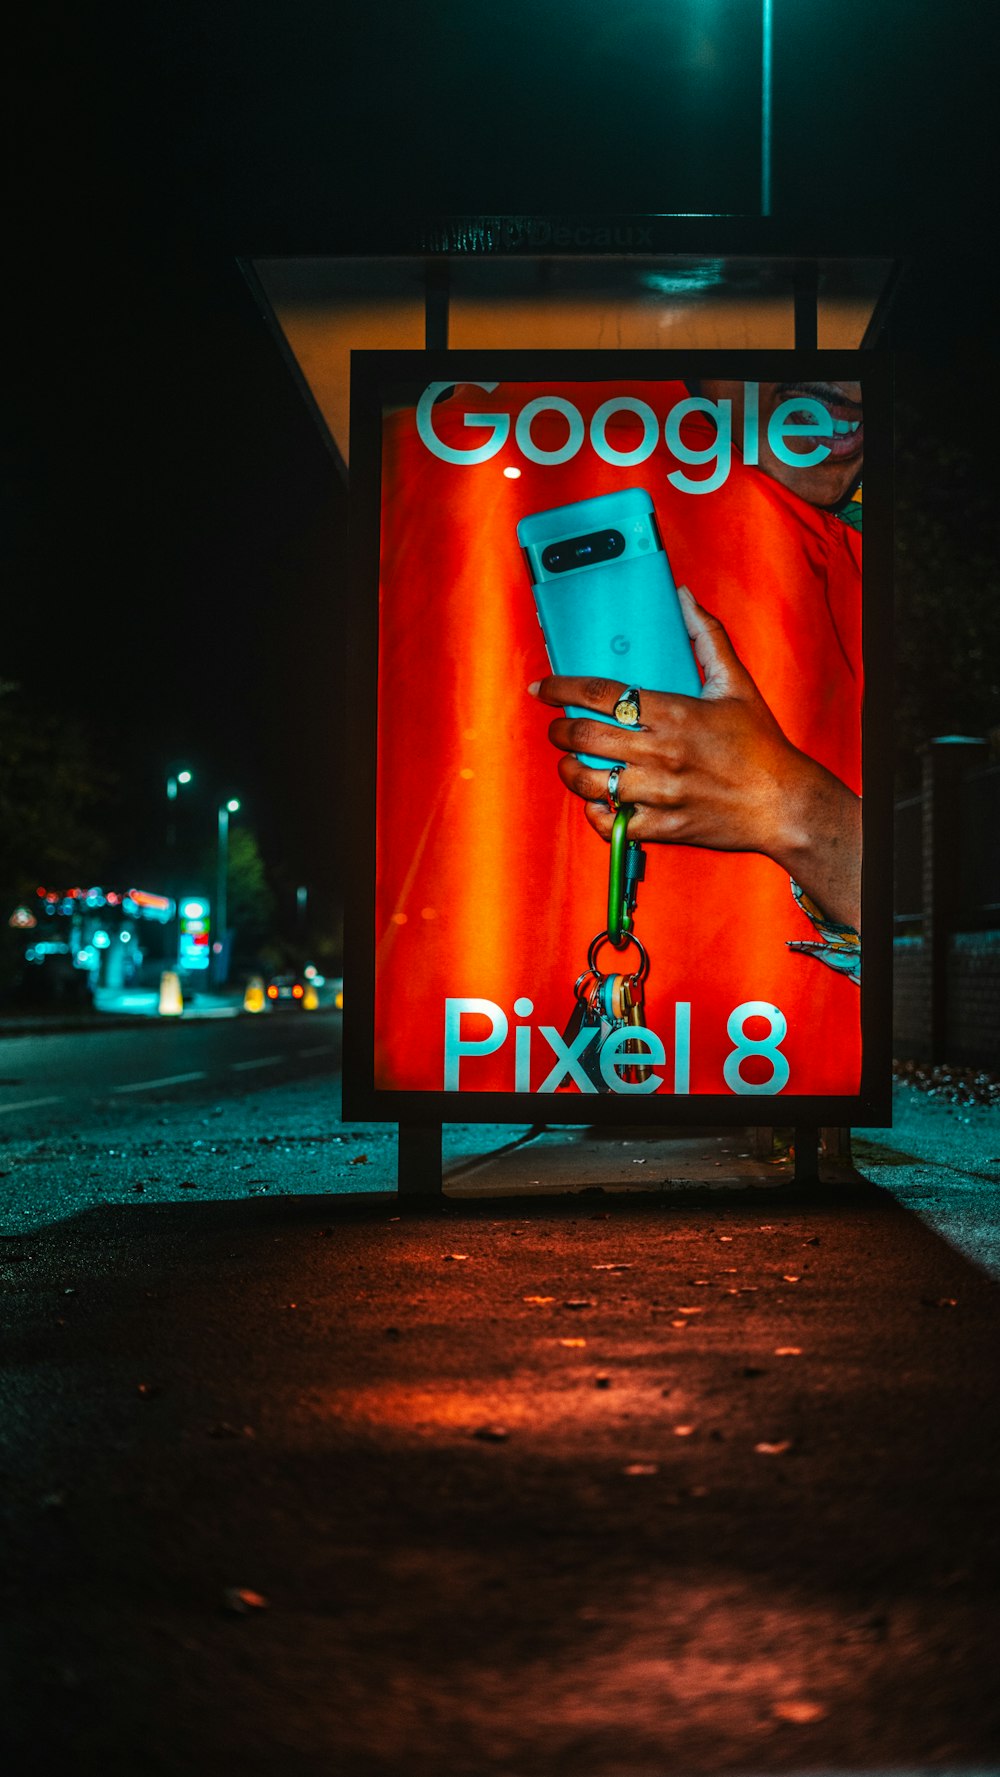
[(604, 1487)]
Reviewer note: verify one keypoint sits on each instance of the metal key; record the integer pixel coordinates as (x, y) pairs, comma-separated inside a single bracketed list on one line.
[(599, 1014), (586, 1011), (636, 1016)]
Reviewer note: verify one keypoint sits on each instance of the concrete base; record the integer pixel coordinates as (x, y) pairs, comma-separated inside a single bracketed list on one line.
[(547, 1162)]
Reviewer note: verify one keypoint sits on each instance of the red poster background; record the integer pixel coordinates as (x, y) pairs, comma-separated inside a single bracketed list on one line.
[(490, 883)]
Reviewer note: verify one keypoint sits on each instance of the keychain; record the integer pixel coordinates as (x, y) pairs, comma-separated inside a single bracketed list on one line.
[(607, 1004)]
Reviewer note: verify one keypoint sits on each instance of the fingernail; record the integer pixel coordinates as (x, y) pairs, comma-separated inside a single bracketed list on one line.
[(534, 687)]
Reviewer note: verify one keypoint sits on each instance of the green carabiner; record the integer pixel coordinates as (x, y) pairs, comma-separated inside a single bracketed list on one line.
[(619, 911)]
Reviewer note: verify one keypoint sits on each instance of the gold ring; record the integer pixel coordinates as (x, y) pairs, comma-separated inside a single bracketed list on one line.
[(627, 708)]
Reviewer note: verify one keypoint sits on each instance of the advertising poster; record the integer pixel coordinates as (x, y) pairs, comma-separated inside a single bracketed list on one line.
[(617, 614)]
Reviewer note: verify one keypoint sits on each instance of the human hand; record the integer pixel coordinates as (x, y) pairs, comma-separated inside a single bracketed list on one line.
[(714, 771)]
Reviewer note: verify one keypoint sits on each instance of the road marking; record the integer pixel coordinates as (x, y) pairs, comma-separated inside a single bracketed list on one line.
[(27, 1104), (323, 1049), (262, 1061), (168, 1080)]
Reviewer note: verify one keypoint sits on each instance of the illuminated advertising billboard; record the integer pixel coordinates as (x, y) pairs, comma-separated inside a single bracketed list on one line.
[(193, 951), (617, 738)]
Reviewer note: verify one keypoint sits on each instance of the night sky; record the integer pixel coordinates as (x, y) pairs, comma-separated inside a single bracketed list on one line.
[(178, 526)]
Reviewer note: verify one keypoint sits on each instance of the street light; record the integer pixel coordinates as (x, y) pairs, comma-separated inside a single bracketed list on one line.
[(220, 955), (176, 780), (767, 20)]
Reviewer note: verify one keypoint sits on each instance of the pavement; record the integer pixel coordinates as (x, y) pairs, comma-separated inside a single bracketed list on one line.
[(697, 1478)]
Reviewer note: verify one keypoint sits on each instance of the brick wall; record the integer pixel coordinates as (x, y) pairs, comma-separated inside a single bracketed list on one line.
[(974, 998), (972, 1022), (911, 1023), (946, 987)]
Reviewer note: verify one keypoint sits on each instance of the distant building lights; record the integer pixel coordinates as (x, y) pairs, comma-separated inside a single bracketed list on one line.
[(101, 940), (143, 898)]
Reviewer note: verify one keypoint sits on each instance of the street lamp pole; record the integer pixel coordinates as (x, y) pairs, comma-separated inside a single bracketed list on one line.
[(176, 781), (766, 73), (222, 892)]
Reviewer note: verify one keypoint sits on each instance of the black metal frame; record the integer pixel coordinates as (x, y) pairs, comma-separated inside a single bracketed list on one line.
[(374, 376), (796, 247)]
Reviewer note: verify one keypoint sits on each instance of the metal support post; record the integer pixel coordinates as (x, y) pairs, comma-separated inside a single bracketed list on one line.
[(945, 762), (419, 1161), (806, 300), (436, 293), (806, 1138)]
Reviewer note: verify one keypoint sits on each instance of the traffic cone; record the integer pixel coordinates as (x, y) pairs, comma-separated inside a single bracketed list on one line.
[(253, 998), (171, 998)]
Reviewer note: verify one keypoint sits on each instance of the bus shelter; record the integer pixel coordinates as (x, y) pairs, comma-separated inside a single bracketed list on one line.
[(653, 340)]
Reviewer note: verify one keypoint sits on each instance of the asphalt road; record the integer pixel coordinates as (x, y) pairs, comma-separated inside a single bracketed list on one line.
[(232, 1108), (67, 1078)]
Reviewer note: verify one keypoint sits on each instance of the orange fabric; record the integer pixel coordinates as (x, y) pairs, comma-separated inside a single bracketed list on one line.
[(490, 882)]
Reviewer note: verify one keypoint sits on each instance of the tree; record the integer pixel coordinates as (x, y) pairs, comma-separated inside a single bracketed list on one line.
[(250, 902), (54, 795)]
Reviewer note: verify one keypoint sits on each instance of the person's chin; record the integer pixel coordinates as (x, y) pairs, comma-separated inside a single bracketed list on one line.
[(823, 485)]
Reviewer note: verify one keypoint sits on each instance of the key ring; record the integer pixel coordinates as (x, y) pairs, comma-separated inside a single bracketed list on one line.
[(588, 977), (606, 938)]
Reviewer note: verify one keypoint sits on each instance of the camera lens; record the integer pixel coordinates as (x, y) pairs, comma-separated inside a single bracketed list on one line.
[(582, 552)]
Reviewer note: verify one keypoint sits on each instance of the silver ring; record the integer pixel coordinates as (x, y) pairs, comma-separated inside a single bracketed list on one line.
[(627, 709), (612, 790)]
